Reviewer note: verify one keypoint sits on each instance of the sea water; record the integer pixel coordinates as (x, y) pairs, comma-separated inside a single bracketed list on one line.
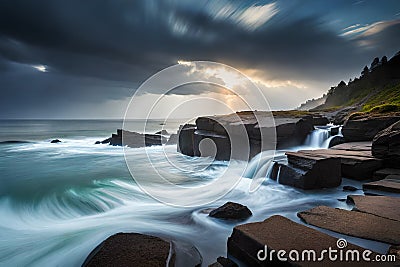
[(59, 201)]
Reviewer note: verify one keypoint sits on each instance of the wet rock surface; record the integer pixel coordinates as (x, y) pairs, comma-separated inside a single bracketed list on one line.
[(353, 223), (131, 249), (280, 233), (231, 211)]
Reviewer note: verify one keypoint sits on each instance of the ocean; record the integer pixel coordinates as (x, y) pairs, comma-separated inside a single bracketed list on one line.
[(59, 201)]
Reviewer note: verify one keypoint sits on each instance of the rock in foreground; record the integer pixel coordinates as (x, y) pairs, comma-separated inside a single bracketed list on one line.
[(280, 233), (353, 223), (131, 249), (231, 211)]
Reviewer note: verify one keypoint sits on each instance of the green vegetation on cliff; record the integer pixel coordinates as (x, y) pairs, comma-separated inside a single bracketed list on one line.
[(377, 90)]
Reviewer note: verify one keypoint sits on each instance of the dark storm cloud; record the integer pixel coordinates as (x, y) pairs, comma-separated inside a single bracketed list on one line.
[(99, 50)]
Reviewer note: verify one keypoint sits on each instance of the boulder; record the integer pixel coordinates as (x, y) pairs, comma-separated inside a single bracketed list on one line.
[(248, 241), (308, 172), (131, 249), (386, 145), (353, 223), (231, 211), (336, 140), (55, 141), (390, 184), (365, 128), (382, 206)]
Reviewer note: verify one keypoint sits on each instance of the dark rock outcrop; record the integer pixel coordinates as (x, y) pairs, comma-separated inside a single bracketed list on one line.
[(279, 233), (134, 139), (365, 128), (254, 128), (55, 141), (353, 223), (131, 249), (224, 262), (307, 171), (186, 140), (335, 130), (105, 141), (386, 145), (231, 211)]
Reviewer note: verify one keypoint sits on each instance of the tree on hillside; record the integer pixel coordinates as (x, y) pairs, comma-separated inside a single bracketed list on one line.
[(365, 72), (341, 84), (375, 63), (384, 60)]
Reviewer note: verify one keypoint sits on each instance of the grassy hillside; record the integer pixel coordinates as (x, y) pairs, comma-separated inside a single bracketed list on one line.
[(377, 90)]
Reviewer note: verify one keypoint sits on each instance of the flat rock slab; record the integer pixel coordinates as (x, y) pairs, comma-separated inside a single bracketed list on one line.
[(280, 233), (356, 161), (353, 223), (355, 146), (131, 249), (390, 184), (383, 206)]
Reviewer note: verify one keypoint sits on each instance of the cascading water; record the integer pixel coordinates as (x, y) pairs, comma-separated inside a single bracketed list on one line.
[(261, 164)]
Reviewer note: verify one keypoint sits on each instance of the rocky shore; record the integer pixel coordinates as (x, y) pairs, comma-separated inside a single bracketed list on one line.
[(368, 151)]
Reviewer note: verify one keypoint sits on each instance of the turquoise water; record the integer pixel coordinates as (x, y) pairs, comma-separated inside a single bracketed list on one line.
[(59, 201)]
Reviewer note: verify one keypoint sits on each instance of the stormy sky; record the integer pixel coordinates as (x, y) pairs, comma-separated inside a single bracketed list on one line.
[(85, 59)]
